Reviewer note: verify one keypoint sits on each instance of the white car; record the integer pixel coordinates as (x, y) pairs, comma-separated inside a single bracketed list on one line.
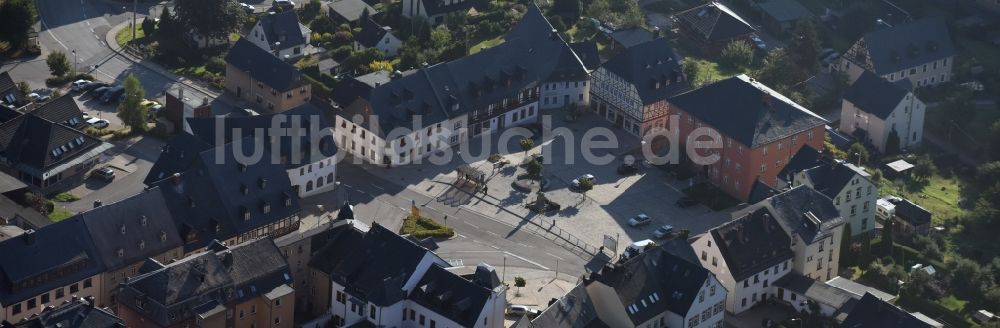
[(637, 247), (78, 85), (638, 220), (247, 7), (576, 182), (663, 231), (99, 123)]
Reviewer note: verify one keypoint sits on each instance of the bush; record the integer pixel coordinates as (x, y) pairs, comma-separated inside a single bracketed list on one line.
[(422, 227), (65, 197), (737, 54), (216, 64)]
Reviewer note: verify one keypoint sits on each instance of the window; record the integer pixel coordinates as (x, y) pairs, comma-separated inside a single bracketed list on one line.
[(693, 321), (744, 302), (253, 309), (60, 293), (32, 304), (341, 298), (746, 283), (17, 308), (701, 296), (277, 302), (277, 320), (704, 255), (765, 283), (715, 261), (371, 311), (74, 288), (433, 324), (242, 314), (45, 298), (421, 319)]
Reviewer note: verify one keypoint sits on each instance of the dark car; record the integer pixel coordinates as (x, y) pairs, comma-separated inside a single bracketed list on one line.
[(94, 85), (112, 94), (99, 92), (105, 173), (686, 202), (283, 4)]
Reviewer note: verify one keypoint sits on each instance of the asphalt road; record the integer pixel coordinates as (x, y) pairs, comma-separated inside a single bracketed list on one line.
[(480, 238)]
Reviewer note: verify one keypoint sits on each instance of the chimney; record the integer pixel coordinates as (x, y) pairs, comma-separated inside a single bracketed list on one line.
[(29, 236), (554, 34), (227, 258), (176, 178)]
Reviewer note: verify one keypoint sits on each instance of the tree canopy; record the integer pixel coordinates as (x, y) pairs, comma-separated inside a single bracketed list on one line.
[(16, 19), (130, 111), (209, 18), (58, 64)]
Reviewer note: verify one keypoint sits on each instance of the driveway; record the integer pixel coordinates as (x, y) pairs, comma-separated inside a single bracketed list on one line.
[(131, 159)]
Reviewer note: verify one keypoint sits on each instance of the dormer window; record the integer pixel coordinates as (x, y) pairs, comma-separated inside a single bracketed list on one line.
[(246, 214), (143, 220), (242, 167), (122, 229), (263, 181), (121, 252), (163, 236), (142, 244), (244, 190), (265, 207), (288, 200)]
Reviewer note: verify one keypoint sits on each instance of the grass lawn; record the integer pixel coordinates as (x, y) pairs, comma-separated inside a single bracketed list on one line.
[(422, 227), (59, 214), (940, 196), (65, 197), (952, 303), (485, 44), (125, 35)]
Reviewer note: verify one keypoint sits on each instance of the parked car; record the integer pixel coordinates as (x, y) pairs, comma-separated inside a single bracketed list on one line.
[(757, 42), (663, 231), (247, 7), (586, 177), (629, 166), (518, 310), (38, 98), (78, 85), (686, 202), (100, 91), (94, 85), (638, 220), (283, 4), (99, 123), (112, 94), (105, 173), (637, 247)]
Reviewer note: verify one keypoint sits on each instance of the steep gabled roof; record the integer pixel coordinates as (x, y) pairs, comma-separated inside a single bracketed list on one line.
[(904, 46), (263, 66), (784, 10), (654, 282), (350, 10), (587, 52), (60, 251), (76, 314), (831, 179), (805, 158), (752, 243), (875, 95), (371, 33), (632, 36), (871, 312), (573, 310), (802, 211), (8, 90), (714, 22), (132, 229), (451, 296), (178, 155), (652, 67), (283, 27), (38, 143), (747, 111), (911, 213)]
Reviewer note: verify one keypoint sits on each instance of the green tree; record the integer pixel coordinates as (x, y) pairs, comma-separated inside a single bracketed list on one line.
[(857, 153), (148, 26), (737, 54), (892, 143), (16, 19), (519, 282), (212, 19), (586, 185), (440, 38), (58, 64), (527, 144), (923, 168), (831, 150), (778, 70), (887, 236), (130, 111), (567, 8), (804, 44), (23, 89), (534, 168), (846, 255)]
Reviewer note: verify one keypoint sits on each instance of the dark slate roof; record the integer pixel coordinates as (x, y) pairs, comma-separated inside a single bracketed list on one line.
[(912, 213), (304, 116), (435, 7), (139, 227), (714, 22), (54, 247), (373, 265), (358, 87), (178, 155), (784, 10), (752, 243), (648, 64), (875, 95), (802, 211), (530, 55), (908, 45), (587, 52), (573, 310), (805, 158), (282, 27), (671, 281), (6, 113), (815, 290), (78, 314), (15, 212), (371, 33), (208, 201), (264, 66), (633, 36), (747, 111), (30, 139), (350, 9), (450, 296), (175, 292), (831, 179), (871, 312), (761, 191), (9, 87)]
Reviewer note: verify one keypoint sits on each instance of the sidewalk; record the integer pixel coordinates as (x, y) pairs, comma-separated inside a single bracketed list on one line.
[(117, 48)]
